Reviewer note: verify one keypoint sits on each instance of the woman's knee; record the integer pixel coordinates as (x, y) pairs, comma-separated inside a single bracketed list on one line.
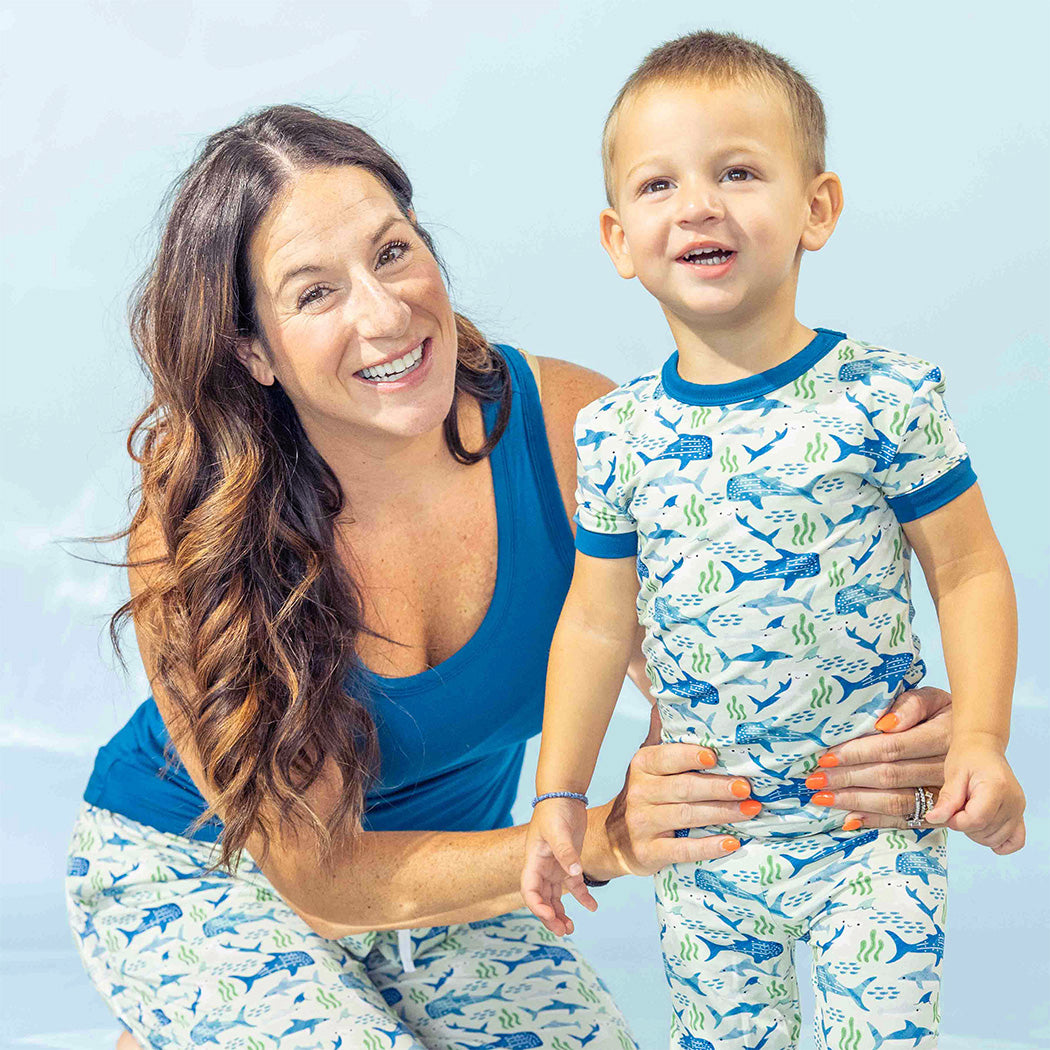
[(128, 1042)]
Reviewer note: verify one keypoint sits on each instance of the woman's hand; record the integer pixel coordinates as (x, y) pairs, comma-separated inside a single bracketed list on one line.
[(874, 777), (664, 790)]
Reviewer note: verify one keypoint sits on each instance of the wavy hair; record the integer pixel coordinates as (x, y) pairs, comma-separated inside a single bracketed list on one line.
[(252, 616)]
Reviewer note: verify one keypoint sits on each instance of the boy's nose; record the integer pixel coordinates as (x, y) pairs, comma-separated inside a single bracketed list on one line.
[(699, 204)]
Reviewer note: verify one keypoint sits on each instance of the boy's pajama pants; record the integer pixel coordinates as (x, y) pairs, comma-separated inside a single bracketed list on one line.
[(188, 957), (871, 905)]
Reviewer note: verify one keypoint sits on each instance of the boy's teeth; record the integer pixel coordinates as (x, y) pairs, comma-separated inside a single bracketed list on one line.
[(394, 369), (708, 256)]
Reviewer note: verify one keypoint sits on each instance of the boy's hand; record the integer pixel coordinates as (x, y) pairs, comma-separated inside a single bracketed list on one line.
[(552, 862), (981, 796)]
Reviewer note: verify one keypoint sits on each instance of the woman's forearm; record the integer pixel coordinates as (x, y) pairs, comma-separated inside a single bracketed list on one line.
[(407, 879)]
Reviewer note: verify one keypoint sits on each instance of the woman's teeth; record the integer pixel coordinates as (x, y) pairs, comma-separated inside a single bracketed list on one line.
[(708, 256), (394, 369)]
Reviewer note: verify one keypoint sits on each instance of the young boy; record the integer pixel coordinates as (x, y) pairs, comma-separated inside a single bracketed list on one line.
[(765, 488)]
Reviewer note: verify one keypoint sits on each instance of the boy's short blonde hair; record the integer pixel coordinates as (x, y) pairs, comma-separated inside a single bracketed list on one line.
[(721, 58)]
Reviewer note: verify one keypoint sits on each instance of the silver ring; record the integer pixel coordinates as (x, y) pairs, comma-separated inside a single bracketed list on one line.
[(924, 801)]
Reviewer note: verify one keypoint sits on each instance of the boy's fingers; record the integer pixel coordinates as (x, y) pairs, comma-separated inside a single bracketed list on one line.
[(950, 800), (579, 890), (1013, 842), (565, 854)]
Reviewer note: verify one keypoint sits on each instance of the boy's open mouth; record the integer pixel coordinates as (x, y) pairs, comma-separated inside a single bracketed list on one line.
[(707, 256)]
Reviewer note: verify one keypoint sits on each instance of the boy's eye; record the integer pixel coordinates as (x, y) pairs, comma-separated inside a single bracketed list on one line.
[(391, 252), (656, 185), (737, 175)]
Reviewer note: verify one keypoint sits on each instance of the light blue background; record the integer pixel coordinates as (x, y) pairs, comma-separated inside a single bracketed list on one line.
[(938, 129)]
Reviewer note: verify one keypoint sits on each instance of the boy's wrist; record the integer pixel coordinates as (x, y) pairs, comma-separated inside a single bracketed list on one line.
[(978, 740)]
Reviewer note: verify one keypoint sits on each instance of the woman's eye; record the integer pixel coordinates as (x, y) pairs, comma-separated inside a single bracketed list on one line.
[(737, 175), (312, 295), (656, 185), (391, 252)]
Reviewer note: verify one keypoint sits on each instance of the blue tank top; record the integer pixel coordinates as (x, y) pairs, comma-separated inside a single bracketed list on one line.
[(451, 738)]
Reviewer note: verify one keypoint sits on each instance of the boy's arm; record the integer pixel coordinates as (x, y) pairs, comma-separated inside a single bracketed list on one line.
[(971, 586), (592, 646)]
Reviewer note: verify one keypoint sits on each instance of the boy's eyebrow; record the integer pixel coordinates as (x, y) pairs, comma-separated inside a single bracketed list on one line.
[(299, 271)]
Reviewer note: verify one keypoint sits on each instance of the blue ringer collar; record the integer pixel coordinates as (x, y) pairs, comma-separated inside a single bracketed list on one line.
[(750, 386)]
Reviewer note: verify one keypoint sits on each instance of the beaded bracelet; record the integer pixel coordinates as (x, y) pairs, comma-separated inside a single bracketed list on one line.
[(560, 794)]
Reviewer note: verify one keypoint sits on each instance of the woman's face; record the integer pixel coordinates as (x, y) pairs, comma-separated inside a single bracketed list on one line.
[(358, 327)]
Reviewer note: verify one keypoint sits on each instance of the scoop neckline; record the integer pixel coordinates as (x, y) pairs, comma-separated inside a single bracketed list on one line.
[(505, 527), (750, 386)]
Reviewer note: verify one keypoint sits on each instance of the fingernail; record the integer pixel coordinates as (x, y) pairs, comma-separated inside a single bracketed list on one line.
[(575, 869), (823, 798), (707, 758), (886, 723), (852, 823), (817, 780), (730, 844), (751, 808), (740, 788), (828, 761)]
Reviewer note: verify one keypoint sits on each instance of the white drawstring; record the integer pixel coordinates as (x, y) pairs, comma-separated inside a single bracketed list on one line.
[(404, 948)]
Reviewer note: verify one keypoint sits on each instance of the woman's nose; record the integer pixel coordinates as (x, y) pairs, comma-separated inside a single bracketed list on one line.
[(377, 309)]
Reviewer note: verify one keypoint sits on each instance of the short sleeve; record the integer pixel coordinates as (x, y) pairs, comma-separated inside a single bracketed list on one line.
[(604, 525), (931, 466)]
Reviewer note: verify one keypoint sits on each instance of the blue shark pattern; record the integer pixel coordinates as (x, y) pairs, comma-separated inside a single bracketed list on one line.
[(240, 969), (775, 596), (728, 928)]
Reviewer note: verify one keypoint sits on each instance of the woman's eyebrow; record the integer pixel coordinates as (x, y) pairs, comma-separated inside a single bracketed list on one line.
[(313, 268)]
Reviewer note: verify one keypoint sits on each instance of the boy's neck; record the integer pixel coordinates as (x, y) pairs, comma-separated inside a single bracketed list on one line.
[(716, 354)]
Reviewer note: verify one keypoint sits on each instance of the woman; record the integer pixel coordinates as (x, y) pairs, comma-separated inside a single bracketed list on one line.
[(351, 548)]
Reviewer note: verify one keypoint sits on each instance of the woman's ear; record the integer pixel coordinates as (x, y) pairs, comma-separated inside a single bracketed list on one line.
[(614, 241), (252, 354), (825, 207)]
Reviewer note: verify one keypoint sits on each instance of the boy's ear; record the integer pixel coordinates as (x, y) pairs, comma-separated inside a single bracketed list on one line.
[(825, 207), (614, 241), (251, 353)]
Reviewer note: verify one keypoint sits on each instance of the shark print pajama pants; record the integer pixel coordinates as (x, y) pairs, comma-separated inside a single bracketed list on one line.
[(188, 957), (871, 905)]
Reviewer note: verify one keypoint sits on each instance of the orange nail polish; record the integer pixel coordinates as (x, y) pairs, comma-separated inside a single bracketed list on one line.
[(817, 780), (828, 761), (707, 758), (823, 798), (886, 723), (730, 844), (852, 824), (751, 808), (740, 788)]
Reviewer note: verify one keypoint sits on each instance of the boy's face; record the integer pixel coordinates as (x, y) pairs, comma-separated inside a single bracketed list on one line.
[(712, 205)]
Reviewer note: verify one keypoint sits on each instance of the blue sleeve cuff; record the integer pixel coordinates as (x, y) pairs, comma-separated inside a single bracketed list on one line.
[(925, 500), (606, 544)]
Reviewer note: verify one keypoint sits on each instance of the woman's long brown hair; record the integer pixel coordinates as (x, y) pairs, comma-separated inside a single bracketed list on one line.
[(252, 617)]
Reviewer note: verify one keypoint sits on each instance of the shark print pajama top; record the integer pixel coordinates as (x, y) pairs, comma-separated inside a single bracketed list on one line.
[(765, 516)]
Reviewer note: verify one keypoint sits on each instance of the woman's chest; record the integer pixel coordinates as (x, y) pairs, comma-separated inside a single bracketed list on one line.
[(427, 581)]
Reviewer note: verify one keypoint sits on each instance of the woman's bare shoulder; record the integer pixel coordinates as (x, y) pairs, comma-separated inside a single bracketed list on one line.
[(566, 388)]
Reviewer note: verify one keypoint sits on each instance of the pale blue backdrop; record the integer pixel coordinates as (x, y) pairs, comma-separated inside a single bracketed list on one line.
[(938, 129)]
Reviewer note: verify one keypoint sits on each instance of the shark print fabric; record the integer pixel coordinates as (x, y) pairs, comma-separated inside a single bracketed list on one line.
[(191, 957), (765, 516), (870, 905)]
